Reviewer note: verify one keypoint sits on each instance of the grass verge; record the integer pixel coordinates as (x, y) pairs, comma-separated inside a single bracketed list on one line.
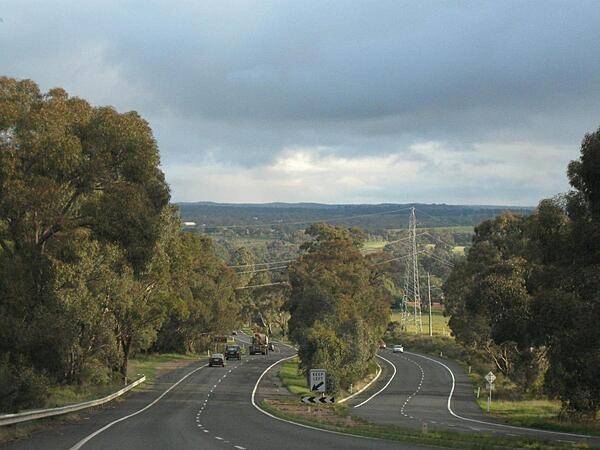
[(149, 365), (537, 414), (531, 413), (337, 419)]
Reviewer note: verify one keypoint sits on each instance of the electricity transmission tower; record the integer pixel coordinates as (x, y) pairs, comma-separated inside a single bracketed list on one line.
[(412, 291)]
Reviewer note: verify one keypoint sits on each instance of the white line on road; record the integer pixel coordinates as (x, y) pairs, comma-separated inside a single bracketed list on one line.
[(253, 401), (364, 388), (512, 427), (106, 427), (386, 385)]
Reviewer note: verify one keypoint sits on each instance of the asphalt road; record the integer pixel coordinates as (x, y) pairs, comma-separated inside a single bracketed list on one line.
[(211, 408), (418, 395)]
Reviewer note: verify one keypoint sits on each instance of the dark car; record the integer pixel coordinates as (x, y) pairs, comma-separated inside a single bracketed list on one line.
[(217, 359), (233, 352)]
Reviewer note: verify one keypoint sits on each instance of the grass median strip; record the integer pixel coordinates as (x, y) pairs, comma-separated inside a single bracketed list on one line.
[(294, 381)]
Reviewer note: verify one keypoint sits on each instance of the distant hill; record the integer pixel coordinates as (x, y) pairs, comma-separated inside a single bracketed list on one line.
[(209, 215)]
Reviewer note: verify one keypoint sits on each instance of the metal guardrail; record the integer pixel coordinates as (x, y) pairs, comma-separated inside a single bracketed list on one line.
[(8, 419)]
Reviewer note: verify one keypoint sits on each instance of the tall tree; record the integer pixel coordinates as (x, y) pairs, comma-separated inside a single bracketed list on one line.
[(338, 306), (68, 171)]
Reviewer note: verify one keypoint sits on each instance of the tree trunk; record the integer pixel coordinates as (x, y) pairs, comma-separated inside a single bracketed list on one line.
[(126, 347)]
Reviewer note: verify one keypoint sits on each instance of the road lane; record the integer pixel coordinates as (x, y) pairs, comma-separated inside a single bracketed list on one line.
[(419, 394), (211, 408)]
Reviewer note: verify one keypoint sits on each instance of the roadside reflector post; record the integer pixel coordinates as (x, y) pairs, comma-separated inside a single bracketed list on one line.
[(478, 389), (424, 428)]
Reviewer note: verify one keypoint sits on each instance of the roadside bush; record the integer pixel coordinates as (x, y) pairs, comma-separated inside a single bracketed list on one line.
[(21, 387)]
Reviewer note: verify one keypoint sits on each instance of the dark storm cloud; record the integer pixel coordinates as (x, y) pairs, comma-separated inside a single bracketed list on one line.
[(242, 83)]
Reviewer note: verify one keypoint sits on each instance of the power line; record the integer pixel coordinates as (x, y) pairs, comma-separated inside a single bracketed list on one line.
[(403, 239), (441, 241), (262, 270), (440, 259), (396, 259), (260, 285), (262, 264)]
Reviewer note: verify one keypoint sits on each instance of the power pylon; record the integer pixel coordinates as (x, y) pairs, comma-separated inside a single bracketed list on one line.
[(412, 291)]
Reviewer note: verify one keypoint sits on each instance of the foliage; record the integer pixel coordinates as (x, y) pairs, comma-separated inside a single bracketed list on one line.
[(93, 264), (528, 292), (338, 306)]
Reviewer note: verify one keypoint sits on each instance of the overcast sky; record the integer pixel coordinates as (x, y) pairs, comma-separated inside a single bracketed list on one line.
[(337, 102)]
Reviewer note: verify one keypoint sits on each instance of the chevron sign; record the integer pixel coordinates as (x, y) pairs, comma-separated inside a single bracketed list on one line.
[(318, 400)]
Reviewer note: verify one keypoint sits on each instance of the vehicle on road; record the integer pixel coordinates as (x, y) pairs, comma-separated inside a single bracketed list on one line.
[(234, 333), (398, 348), (233, 352), (217, 359), (382, 345), (271, 346), (260, 344)]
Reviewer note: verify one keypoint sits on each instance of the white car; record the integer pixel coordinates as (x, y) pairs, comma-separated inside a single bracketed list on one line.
[(398, 348)]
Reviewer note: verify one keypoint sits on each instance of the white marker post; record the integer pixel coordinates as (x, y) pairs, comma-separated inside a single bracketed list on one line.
[(490, 378)]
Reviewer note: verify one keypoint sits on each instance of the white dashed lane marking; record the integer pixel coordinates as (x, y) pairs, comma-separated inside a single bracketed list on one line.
[(409, 398)]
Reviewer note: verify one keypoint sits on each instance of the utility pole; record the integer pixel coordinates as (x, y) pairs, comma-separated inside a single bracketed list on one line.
[(429, 294)]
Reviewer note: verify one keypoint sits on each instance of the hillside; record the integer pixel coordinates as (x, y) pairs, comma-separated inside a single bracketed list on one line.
[(210, 216)]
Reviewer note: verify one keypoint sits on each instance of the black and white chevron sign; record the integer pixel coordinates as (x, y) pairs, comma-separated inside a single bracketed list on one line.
[(316, 400)]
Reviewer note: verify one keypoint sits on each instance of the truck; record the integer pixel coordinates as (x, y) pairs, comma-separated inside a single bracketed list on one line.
[(260, 344)]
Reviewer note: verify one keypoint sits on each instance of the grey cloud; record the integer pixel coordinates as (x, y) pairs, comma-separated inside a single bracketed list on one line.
[(238, 82)]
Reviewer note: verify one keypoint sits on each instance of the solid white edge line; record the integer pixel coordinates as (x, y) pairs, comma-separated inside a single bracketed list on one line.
[(82, 442), (384, 387), (296, 423), (449, 405), (364, 388)]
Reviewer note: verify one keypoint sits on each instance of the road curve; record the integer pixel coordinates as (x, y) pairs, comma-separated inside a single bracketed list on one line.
[(210, 408), (437, 392)]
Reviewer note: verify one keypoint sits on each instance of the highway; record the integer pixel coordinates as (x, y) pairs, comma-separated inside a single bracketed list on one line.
[(201, 407), (418, 391), (210, 408)]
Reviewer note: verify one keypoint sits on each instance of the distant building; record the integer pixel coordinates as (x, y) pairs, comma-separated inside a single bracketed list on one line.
[(189, 224)]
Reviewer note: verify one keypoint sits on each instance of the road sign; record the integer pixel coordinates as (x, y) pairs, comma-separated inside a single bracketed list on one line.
[(318, 400), (317, 380), (490, 378)]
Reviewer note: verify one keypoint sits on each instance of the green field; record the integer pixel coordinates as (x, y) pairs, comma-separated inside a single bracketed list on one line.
[(459, 250), (438, 321), (373, 246)]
